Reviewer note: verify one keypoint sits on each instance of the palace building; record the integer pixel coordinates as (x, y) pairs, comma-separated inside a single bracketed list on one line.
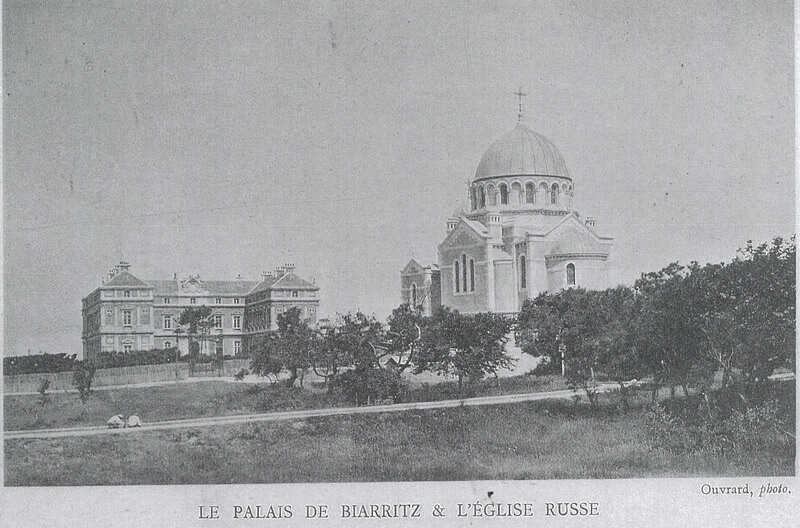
[(128, 313), (515, 237)]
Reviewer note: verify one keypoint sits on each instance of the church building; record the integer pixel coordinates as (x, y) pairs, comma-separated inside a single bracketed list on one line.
[(516, 236)]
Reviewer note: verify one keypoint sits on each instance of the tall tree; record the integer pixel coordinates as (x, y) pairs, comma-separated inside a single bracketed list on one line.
[(197, 319), (290, 347), (466, 346), (404, 334)]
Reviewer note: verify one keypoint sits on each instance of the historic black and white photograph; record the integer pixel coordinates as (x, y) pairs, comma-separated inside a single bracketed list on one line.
[(278, 242)]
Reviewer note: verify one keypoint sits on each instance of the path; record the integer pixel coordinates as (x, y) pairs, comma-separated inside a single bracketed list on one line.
[(288, 415)]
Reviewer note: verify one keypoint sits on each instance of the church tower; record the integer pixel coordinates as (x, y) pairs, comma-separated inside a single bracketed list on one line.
[(519, 236)]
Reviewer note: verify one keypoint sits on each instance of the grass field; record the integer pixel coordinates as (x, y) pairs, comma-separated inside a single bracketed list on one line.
[(535, 440), (220, 398)]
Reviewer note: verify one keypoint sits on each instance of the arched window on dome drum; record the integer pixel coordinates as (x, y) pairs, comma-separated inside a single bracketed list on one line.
[(481, 198), (413, 294), (554, 194), (517, 196), (464, 268), (471, 275), (570, 274), (530, 193), (458, 277), (503, 194), (523, 273), (542, 193), (472, 199)]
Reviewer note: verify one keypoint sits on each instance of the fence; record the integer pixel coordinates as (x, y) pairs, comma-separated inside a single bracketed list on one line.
[(118, 376), (209, 370)]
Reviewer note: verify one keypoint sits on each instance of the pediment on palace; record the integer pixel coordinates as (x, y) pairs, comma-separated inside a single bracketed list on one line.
[(192, 286)]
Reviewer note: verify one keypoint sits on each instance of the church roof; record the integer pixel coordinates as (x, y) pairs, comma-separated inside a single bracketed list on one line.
[(521, 151)]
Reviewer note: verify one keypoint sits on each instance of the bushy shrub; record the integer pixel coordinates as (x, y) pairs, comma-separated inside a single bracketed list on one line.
[(370, 385), (725, 422), (38, 364)]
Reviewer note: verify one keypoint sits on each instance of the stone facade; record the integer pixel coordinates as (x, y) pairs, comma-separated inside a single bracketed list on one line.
[(127, 313), (517, 235)]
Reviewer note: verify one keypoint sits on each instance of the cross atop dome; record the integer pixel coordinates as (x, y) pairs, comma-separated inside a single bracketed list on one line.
[(520, 95)]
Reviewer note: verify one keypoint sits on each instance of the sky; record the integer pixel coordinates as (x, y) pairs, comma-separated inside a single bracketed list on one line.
[(226, 138)]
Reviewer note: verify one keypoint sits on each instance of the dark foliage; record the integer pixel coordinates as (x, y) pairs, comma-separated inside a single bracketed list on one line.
[(38, 364), (364, 386)]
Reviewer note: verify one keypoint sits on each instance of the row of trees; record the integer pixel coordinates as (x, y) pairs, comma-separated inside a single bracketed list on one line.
[(679, 326), (365, 358)]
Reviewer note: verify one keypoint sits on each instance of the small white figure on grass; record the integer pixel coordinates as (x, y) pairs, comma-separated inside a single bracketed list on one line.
[(133, 421), (116, 422)]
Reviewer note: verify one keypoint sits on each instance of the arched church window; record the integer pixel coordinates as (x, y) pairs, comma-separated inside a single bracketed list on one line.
[(542, 198), (481, 197), (530, 193), (473, 202), (458, 277), (464, 268), (570, 274), (413, 294), (471, 275), (503, 194), (517, 196), (554, 194), (523, 273)]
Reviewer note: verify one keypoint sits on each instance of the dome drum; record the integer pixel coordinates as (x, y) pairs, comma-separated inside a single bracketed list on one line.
[(524, 192)]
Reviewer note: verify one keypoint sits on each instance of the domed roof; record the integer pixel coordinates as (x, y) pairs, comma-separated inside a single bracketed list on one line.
[(521, 151)]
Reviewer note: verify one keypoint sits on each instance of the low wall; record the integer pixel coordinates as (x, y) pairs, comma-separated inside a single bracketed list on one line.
[(60, 381)]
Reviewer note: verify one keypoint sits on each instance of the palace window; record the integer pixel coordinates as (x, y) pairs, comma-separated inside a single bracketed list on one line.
[(237, 322), (219, 301), (570, 274), (236, 300), (126, 317), (127, 347), (193, 301), (167, 300), (237, 347), (458, 277), (217, 321), (127, 293), (523, 273), (295, 293), (167, 344), (167, 322)]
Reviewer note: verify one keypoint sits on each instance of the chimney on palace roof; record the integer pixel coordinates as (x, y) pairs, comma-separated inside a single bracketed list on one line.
[(278, 272), (288, 267), (123, 266)]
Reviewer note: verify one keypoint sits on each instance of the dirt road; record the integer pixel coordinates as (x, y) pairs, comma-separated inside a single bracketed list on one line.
[(287, 415)]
